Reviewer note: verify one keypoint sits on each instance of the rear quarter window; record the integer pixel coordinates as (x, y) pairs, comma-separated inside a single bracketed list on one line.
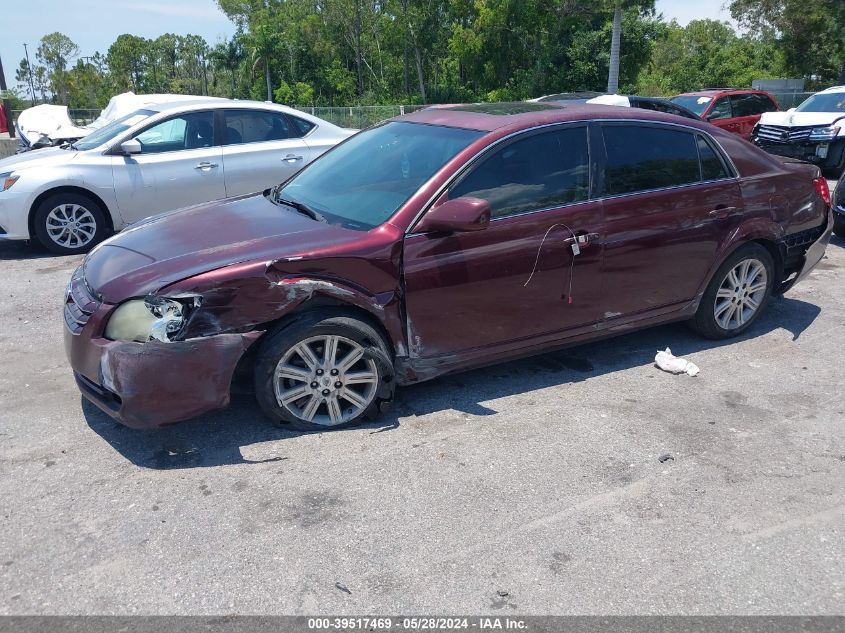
[(712, 167), (641, 158)]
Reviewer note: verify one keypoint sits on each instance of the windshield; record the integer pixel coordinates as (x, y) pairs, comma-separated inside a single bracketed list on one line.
[(362, 182), (829, 102), (693, 102), (108, 132)]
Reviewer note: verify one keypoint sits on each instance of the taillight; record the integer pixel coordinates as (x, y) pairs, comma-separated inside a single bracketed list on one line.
[(822, 189)]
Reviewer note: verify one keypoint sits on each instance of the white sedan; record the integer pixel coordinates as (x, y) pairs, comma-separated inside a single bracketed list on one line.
[(155, 159)]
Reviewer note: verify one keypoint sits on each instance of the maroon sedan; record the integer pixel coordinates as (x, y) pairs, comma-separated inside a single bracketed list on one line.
[(435, 242)]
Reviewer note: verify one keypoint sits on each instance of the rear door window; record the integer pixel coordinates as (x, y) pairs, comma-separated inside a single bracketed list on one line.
[(766, 104), (751, 104), (540, 171), (256, 126), (641, 158)]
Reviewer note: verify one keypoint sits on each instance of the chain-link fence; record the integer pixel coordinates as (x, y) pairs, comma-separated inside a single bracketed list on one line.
[(352, 116), (359, 117), (791, 99)]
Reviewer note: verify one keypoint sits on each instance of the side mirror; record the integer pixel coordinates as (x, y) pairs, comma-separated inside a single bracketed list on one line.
[(460, 215), (132, 146)]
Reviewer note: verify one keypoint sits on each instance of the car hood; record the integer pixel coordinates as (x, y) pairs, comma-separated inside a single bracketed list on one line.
[(800, 119), (40, 158), (162, 250)]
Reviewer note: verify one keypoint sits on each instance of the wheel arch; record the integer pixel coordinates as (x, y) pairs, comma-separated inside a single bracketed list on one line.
[(82, 191), (767, 242), (330, 306)]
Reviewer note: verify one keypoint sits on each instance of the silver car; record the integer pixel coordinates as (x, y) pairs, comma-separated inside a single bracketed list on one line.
[(156, 159)]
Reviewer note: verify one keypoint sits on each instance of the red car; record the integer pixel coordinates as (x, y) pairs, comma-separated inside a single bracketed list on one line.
[(435, 242), (733, 110)]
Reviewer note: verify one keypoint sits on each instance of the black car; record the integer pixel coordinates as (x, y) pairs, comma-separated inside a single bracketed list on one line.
[(633, 101), (839, 207)]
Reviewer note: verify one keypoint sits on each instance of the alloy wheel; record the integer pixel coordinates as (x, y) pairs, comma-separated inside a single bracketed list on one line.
[(71, 225), (326, 380), (741, 293)]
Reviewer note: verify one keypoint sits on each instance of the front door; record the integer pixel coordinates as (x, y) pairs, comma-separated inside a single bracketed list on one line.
[(179, 165), (262, 149), (721, 115), (519, 281), (670, 203)]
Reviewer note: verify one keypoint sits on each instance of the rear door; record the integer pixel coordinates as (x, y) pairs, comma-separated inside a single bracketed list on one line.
[(261, 149), (747, 109), (518, 280), (179, 165), (671, 201)]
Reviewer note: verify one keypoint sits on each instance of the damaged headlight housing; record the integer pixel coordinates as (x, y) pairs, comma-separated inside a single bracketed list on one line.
[(824, 133), (150, 319)]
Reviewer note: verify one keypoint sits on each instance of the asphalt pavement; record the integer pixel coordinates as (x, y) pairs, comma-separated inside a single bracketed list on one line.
[(535, 487)]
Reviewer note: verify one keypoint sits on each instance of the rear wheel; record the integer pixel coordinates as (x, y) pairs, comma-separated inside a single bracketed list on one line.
[(323, 371), (69, 223), (737, 294)]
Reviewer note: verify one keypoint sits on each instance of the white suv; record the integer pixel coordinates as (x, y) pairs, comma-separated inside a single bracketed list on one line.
[(156, 159), (814, 131)]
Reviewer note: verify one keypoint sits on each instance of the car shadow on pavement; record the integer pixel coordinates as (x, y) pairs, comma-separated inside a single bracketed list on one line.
[(216, 438), (17, 250)]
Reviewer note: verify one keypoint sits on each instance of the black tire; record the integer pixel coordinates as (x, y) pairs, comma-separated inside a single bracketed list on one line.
[(277, 343), (42, 214), (839, 225), (836, 171), (704, 322)]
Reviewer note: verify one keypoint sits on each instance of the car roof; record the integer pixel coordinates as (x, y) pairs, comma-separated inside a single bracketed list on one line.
[(712, 92), (517, 116), (216, 103), (211, 103), (832, 89)]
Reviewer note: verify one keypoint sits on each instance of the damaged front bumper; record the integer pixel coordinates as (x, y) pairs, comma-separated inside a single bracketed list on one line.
[(147, 385), (826, 154)]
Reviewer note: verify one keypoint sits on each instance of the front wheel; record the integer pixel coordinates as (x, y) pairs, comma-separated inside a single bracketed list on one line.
[(323, 371), (737, 294), (69, 223)]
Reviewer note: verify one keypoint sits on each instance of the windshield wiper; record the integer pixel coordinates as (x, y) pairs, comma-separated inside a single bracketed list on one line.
[(303, 209)]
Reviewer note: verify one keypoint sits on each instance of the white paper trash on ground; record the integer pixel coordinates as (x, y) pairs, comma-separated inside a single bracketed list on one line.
[(674, 365)]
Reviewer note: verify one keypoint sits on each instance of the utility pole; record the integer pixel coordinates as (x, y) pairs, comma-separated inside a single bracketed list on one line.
[(613, 74), (29, 68)]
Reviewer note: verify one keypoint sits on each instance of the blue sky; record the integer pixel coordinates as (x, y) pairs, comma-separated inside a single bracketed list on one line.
[(94, 24)]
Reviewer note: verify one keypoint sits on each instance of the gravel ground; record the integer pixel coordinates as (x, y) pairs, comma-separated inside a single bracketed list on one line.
[(539, 478)]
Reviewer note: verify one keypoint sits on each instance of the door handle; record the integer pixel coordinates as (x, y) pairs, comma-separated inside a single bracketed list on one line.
[(721, 212), (205, 165), (583, 239), (290, 158)]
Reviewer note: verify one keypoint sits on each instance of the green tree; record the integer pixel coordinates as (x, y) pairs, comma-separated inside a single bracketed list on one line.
[(128, 61), (706, 53), (226, 57), (810, 34)]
